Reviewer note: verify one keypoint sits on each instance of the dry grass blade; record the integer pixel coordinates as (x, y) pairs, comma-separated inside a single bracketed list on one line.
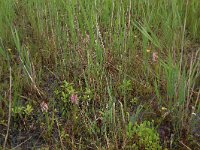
[(10, 106)]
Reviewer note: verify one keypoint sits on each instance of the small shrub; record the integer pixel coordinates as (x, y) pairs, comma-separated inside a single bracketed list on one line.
[(66, 96), (144, 136), (21, 111)]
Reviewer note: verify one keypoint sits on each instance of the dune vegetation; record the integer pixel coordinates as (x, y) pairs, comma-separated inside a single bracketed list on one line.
[(100, 74)]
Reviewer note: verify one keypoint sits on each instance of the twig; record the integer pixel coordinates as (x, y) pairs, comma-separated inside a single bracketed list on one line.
[(31, 78), (21, 143), (185, 145), (9, 115)]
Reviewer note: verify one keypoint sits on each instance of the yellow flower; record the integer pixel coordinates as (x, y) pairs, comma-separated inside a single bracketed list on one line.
[(148, 50), (164, 108), (9, 49)]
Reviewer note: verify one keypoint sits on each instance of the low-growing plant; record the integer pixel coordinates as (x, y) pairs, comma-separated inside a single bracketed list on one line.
[(22, 112), (66, 96), (87, 95), (125, 86), (144, 135)]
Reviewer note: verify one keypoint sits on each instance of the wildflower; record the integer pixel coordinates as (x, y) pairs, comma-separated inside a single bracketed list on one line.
[(9, 49), (148, 50), (44, 106), (74, 99), (155, 56), (163, 108)]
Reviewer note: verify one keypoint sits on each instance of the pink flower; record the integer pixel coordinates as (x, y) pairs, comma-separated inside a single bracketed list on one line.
[(44, 106), (155, 56), (74, 99)]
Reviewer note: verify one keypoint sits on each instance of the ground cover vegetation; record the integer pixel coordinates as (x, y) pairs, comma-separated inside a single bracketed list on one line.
[(99, 74)]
